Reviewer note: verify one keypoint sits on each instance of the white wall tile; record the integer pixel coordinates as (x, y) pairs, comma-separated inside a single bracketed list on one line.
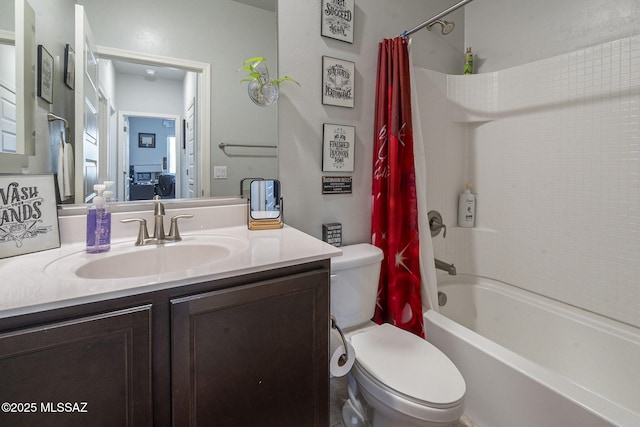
[(553, 150)]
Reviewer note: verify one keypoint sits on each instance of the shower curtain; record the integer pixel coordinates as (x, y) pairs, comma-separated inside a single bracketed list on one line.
[(394, 222)]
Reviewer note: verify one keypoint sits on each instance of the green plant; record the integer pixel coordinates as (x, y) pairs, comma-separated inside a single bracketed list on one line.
[(257, 70)]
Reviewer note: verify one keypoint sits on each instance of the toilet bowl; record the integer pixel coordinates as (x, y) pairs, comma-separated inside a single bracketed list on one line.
[(400, 379)]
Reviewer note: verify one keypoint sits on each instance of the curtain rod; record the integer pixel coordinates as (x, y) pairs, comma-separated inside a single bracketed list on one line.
[(435, 18)]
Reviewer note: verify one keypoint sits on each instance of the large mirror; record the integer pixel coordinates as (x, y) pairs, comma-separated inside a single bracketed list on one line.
[(168, 80), (17, 77)]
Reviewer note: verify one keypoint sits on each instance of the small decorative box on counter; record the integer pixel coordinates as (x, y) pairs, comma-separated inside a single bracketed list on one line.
[(332, 233)]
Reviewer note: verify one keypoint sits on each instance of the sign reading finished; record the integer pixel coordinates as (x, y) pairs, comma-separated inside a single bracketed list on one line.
[(338, 148)]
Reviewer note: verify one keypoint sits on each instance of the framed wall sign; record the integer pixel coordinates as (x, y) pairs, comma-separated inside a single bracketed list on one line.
[(28, 214), (338, 148), (337, 19), (45, 74), (338, 78), (147, 140), (69, 66)]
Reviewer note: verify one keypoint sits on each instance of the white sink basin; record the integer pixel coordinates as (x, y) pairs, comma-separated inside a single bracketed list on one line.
[(151, 261), (126, 261)]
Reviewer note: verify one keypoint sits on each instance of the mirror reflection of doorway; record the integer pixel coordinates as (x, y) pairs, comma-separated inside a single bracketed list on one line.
[(154, 156), (153, 99)]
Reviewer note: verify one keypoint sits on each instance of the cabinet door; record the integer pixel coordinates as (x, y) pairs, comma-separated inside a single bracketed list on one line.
[(91, 371), (254, 355)]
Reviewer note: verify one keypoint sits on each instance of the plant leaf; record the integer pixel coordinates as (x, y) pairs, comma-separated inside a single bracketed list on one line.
[(255, 60), (285, 78)]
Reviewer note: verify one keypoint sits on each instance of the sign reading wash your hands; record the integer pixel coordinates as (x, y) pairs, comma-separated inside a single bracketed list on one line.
[(28, 215)]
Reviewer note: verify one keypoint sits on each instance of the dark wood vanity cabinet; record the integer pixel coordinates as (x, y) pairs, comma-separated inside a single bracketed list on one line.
[(253, 355), (94, 370), (243, 351)]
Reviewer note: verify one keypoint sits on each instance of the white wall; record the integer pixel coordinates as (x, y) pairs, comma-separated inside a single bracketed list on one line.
[(161, 96), (301, 113), (505, 33)]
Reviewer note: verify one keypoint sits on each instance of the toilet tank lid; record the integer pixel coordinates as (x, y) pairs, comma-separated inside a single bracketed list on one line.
[(356, 256)]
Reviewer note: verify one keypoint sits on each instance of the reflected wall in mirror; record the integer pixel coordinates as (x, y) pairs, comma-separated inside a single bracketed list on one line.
[(17, 78), (220, 33), (53, 28)]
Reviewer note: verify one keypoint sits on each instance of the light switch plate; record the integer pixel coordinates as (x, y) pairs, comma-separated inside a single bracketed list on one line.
[(219, 172)]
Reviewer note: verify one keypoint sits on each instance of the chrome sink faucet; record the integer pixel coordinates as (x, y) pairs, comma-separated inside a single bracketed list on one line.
[(159, 237)]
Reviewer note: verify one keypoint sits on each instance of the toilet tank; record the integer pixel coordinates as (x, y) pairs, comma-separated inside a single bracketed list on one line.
[(354, 283)]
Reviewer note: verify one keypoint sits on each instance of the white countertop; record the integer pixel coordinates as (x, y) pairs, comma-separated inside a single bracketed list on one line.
[(38, 281)]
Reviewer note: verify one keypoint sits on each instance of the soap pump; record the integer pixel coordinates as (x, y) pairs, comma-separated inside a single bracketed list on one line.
[(98, 223), (108, 193), (466, 208)]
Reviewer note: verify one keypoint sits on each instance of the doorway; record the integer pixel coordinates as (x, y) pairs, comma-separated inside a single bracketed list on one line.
[(195, 88), (151, 156)]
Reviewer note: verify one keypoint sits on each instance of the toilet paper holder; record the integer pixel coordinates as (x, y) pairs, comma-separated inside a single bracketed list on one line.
[(345, 356)]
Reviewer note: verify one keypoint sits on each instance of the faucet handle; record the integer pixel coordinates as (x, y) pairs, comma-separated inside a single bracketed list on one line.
[(174, 233), (436, 224), (143, 233)]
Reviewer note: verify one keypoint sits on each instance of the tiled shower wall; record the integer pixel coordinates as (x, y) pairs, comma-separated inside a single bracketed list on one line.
[(552, 149)]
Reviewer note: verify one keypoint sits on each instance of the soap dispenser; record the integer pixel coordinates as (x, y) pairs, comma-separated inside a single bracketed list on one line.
[(108, 193), (98, 223), (466, 208)]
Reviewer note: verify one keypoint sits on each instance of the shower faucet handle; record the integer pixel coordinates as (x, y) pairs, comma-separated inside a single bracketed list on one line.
[(436, 224)]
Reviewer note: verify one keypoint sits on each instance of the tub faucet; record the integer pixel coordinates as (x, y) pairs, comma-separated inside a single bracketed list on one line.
[(449, 268)]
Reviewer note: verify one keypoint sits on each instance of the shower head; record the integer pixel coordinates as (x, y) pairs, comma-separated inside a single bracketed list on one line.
[(447, 26)]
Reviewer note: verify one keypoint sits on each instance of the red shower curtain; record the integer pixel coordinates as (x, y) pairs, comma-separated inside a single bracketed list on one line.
[(394, 222)]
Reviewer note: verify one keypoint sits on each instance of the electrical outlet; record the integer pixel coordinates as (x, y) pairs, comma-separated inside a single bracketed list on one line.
[(219, 172)]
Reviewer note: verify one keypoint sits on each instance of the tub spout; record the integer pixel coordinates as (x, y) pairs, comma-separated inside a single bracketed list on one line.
[(449, 268)]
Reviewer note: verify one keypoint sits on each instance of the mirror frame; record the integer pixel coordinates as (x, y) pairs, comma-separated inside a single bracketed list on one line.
[(24, 40), (259, 187)]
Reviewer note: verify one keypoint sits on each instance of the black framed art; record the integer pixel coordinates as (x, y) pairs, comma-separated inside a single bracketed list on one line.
[(147, 140), (338, 143), (338, 78), (69, 66), (337, 19), (45, 74)]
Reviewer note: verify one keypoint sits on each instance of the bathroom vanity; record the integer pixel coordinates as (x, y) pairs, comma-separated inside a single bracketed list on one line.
[(240, 342)]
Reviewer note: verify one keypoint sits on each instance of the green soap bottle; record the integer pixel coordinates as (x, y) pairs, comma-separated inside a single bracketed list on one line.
[(468, 62)]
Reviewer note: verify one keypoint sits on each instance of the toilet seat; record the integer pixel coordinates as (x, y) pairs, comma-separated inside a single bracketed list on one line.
[(408, 373)]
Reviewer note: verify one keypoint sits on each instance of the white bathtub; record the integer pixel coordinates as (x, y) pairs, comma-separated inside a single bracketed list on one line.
[(529, 361)]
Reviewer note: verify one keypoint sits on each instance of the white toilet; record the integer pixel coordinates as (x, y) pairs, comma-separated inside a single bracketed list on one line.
[(404, 380)]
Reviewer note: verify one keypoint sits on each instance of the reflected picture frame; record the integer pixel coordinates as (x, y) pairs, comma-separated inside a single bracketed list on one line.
[(45, 74), (147, 140), (69, 67)]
